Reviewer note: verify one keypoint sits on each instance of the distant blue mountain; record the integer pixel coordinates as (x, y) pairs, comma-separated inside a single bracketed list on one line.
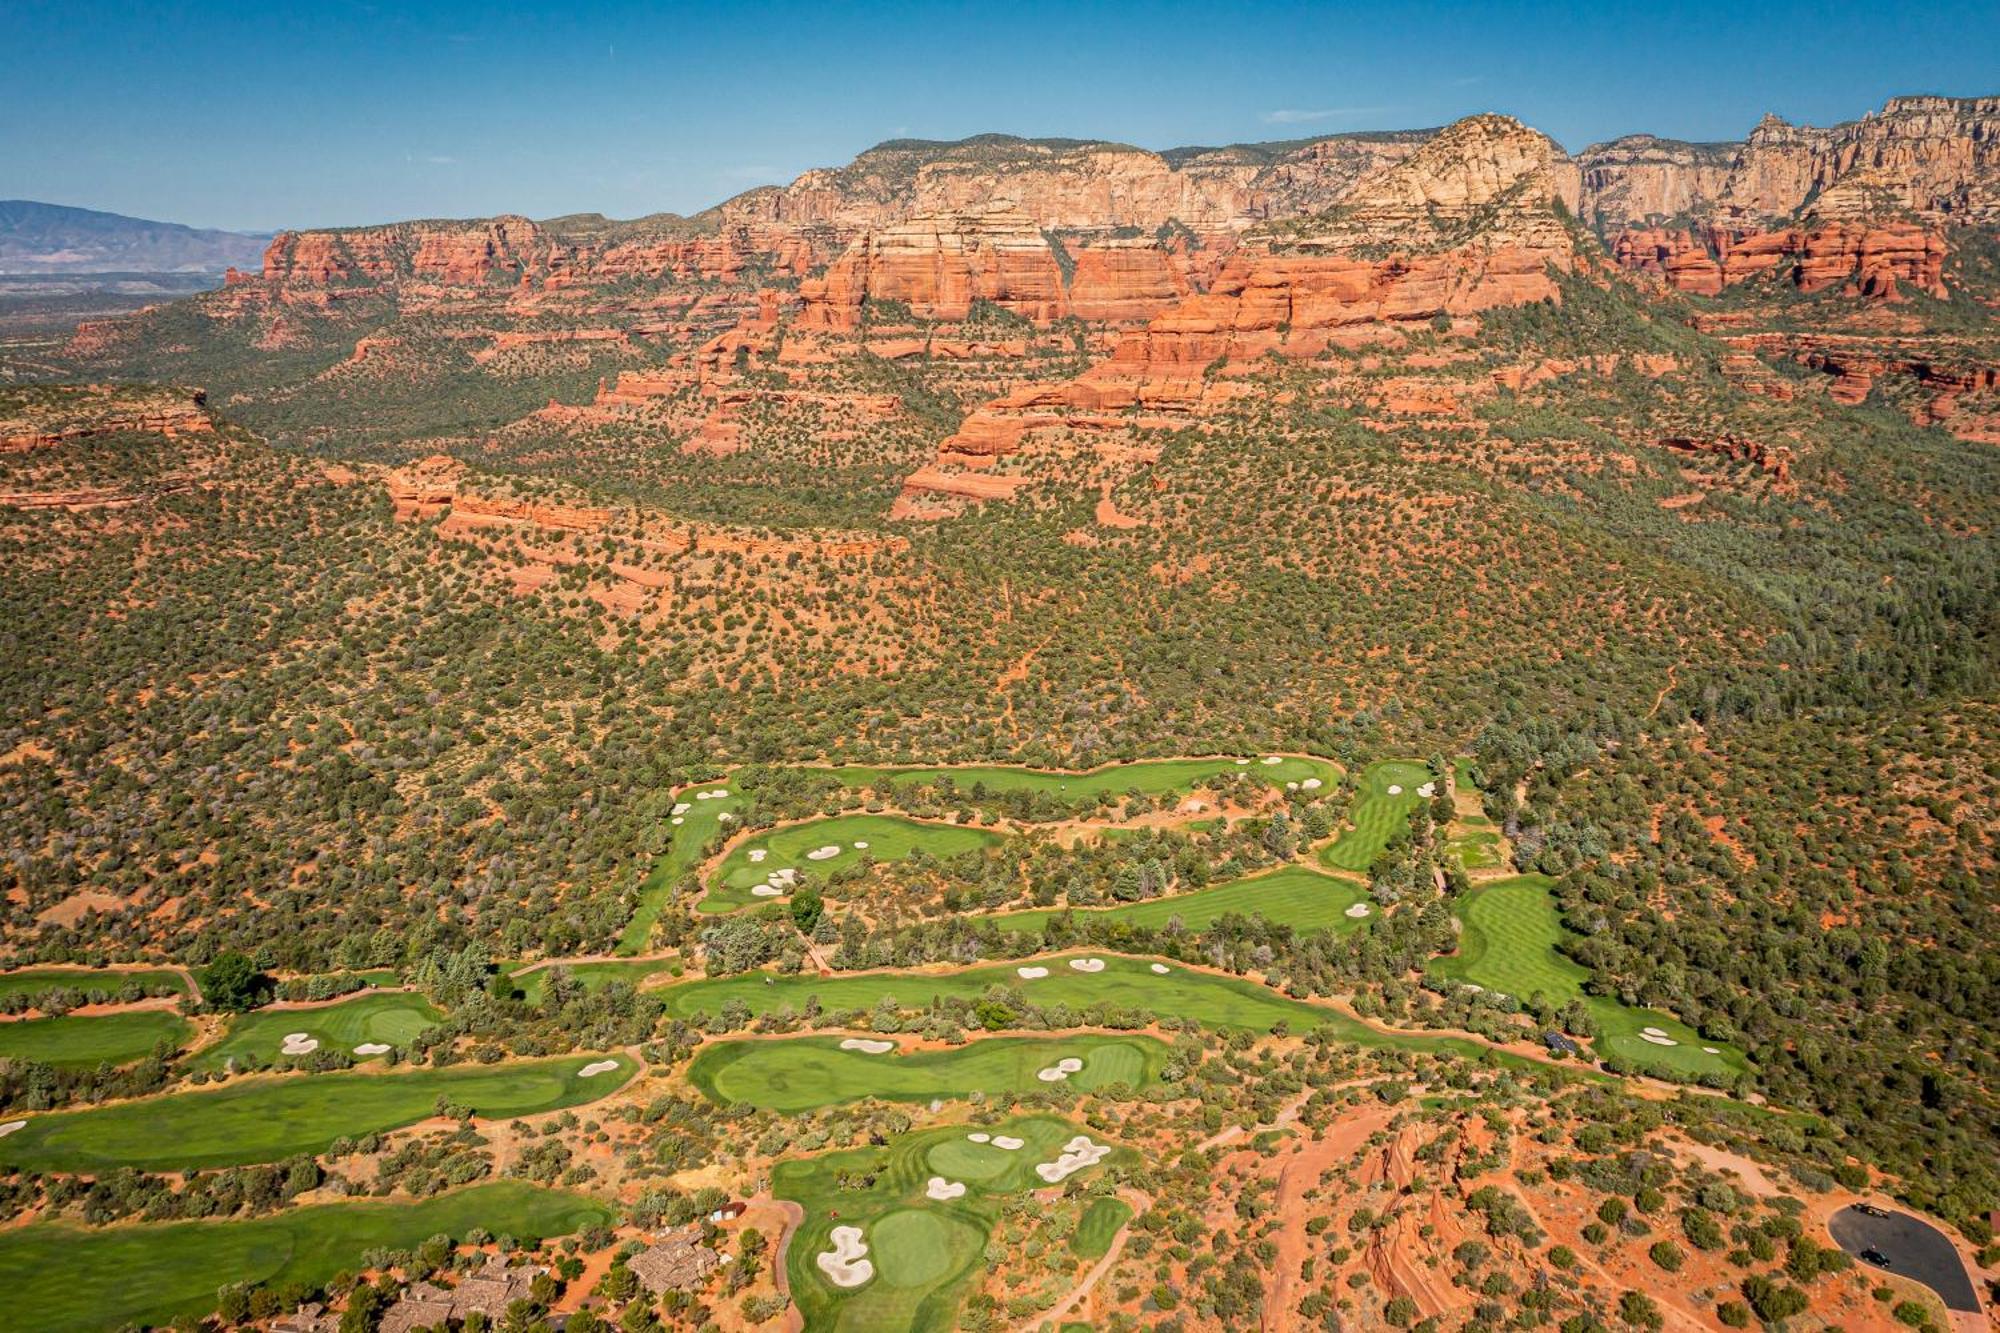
[(51, 238)]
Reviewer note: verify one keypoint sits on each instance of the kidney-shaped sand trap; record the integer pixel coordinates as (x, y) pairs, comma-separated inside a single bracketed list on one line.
[(1358, 910), (1009, 1142), (1087, 964), (1310, 784), (980, 1136), (1658, 1039), (299, 1043), (826, 853), (1060, 1070), (944, 1191), (1078, 1153), (847, 1263), (869, 1045), (1032, 973), (596, 1067)]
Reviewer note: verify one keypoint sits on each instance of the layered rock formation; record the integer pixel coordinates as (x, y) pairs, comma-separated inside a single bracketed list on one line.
[(1873, 261)]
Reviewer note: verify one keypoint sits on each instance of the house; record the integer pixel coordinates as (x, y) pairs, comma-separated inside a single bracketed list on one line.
[(309, 1318), (677, 1263), (488, 1291), (729, 1212)]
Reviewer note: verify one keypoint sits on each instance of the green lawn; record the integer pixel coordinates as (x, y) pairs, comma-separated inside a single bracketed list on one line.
[(1099, 1227), (592, 975), (1508, 944), (922, 1249), (1378, 813), (889, 838), (78, 1040), (807, 1072), (35, 980), (1476, 844), (1148, 776), (688, 840), (60, 1278), (1290, 896), (268, 1119), (254, 1039)]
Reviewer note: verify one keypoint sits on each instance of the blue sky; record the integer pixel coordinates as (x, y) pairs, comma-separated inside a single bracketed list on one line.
[(264, 116)]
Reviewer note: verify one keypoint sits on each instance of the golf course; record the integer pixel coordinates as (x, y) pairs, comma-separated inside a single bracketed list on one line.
[(269, 1119), (1149, 777), (815, 849), (802, 1073), (1387, 793), (1508, 945), (1288, 896), (80, 1040), (370, 1019), (61, 1278), (590, 976), (697, 814), (921, 1224), (36, 980)]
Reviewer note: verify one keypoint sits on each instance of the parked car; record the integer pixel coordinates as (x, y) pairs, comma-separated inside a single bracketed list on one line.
[(1876, 1257)]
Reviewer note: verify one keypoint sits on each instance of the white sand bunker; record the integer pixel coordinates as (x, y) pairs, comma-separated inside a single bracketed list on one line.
[(1658, 1040), (1161, 969), (1476, 990), (1273, 759), (944, 1191), (1032, 973), (1394, 790), (1291, 786), (372, 1048), (1087, 964), (871, 1045), (765, 890), (1358, 911), (1009, 1142), (826, 853), (847, 1263), (1711, 1050), (725, 816), (712, 795), (677, 820), (11, 1126), (1060, 1070), (682, 807), (757, 854), (1078, 1153), (299, 1043), (1428, 789), (860, 846), (1310, 784), (1242, 763), (596, 1067), (980, 1136)]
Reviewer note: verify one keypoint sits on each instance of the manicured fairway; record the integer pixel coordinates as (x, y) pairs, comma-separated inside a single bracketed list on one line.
[(689, 839), (1098, 1227), (1148, 776), (1511, 929), (79, 1040), (255, 1039), (1476, 844), (1377, 813), (67, 1279), (1288, 896), (267, 1119), (591, 975), (807, 1072), (922, 1249), (888, 838), (35, 980)]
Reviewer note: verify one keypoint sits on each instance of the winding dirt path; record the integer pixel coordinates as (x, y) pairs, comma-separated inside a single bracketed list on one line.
[(1053, 1316)]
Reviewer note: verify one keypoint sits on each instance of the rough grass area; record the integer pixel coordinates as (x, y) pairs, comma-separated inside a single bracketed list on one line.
[(889, 838), (268, 1119), (687, 845), (67, 1279), (1508, 945), (808, 1072), (35, 980), (1377, 813), (88, 1040), (922, 1249), (254, 1039), (532, 985), (1289, 896), (1099, 1227)]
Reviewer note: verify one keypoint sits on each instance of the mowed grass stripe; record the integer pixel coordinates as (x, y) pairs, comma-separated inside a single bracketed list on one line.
[(889, 838), (269, 1119), (392, 1019), (1150, 777), (809, 1072), (1289, 896), (60, 1278), (1377, 813), (87, 1040), (35, 980)]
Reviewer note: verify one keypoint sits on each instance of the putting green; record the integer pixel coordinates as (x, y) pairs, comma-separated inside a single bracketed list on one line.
[(1288, 896), (1508, 944), (1378, 813), (959, 1158), (886, 838), (802, 1073), (85, 1040), (256, 1039), (68, 1279), (35, 980), (688, 840), (268, 1119), (1150, 777), (923, 1249)]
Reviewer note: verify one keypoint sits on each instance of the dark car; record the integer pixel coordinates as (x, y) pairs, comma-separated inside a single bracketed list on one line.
[(1876, 1257), (1871, 1210)]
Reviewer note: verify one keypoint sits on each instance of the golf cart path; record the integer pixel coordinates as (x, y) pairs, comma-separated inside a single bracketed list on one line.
[(1053, 1316)]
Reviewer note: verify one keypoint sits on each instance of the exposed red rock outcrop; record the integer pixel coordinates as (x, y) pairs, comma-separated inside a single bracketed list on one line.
[(1868, 260), (97, 412), (1773, 459)]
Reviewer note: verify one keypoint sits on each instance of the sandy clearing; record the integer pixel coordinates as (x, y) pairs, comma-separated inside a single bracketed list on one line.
[(596, 1067), (868, 1045), (1077, 1154), (846, 1264)]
